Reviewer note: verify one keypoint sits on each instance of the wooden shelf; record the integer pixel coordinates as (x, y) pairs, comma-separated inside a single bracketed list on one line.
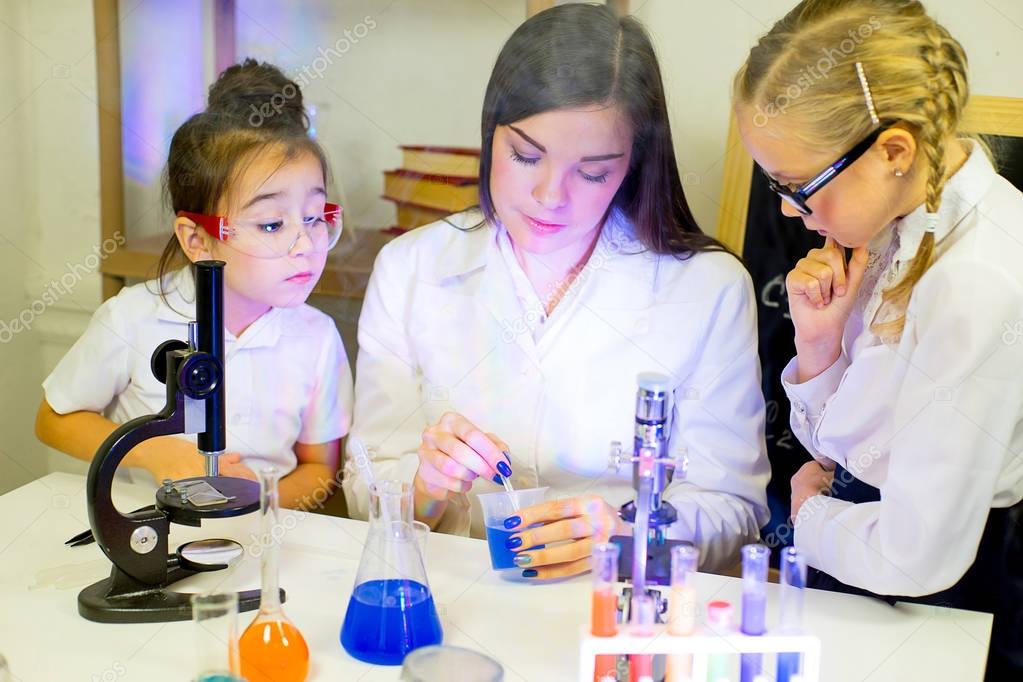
[(346, 274)]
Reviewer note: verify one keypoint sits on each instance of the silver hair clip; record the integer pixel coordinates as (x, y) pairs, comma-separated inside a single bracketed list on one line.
[(866, 93), (932, 223)]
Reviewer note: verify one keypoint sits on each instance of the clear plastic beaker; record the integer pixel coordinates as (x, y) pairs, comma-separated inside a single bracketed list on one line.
[(496, 508), (391, 610), (215, 615)]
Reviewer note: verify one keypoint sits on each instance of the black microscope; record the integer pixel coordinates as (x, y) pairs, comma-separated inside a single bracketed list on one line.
[(137, 542)]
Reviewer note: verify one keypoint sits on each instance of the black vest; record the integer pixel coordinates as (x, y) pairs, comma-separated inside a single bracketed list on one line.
[(994, 583)]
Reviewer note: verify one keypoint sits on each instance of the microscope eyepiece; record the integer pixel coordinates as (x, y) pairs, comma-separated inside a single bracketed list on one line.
[(651, 398)]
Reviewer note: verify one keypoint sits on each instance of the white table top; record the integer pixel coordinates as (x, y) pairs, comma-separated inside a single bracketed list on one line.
[(532, 629)]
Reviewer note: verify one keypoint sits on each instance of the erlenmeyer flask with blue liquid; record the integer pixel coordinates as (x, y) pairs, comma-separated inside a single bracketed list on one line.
[(391, 610)]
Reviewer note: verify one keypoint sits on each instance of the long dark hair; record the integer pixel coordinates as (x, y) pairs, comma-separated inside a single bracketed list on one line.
[(579, 55), (210, 150)]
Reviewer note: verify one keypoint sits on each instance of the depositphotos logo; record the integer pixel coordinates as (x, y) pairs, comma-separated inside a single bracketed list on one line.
[(814, 73), (74, 273)]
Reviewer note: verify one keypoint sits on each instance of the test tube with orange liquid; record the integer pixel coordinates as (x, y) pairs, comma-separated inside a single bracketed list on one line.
[(605, 606), (682, 609), (641, 666)]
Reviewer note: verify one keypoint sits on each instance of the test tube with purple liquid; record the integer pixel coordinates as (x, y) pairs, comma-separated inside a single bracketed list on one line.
[(754, 605)]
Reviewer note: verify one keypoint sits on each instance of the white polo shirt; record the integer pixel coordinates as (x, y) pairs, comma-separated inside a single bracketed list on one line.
[(287, 375)]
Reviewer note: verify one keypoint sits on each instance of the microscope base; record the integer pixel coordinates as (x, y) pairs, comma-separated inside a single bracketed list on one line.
[(122, 599), (658, 563)]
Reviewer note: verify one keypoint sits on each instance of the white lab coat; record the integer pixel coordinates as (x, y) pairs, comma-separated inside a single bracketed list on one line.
[(936, 420), (443, 328)]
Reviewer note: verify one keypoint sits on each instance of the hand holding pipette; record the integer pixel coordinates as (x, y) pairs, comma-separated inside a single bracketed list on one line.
[(454, 452)]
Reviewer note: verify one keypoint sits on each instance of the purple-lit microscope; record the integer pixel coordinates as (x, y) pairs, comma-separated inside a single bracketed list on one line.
[(645, 558)]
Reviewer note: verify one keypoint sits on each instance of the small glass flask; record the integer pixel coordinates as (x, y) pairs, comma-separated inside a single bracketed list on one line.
[(272, 649)]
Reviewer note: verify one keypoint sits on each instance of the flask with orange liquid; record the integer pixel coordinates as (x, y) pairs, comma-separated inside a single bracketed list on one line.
[(271, 648)]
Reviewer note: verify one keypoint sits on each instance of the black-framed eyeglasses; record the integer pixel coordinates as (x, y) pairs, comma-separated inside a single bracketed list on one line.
[(797, 198)]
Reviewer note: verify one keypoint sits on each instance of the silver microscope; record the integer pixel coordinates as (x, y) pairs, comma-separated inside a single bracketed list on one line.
[(645, 557)]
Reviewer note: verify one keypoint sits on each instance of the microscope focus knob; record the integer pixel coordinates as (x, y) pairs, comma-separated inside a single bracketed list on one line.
[(199, 375), (158, 361)]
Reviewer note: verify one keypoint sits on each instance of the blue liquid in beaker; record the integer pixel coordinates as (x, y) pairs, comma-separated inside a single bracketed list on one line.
[(386, 619), (500, 555)]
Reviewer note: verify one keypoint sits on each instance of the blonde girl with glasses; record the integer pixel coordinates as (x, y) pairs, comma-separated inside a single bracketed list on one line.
[(903, 387)]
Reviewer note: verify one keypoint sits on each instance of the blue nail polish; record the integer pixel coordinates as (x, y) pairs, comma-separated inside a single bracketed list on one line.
[(529, 573), (504, 469), (522, 560), (497, 479), (512, 522), (507, 455), (512, 543)]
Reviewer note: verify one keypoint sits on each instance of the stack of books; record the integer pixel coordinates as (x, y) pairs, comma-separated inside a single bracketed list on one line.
[(432, 183)]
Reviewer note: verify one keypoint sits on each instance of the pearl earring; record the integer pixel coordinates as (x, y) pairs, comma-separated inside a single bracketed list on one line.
[(899, 173)]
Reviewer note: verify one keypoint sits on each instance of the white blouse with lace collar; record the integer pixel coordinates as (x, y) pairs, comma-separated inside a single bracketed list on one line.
[(934, 420)]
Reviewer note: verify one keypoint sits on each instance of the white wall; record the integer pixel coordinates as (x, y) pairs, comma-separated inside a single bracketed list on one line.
[(49, 187), (382, 73), (417, 76), (16, 245)]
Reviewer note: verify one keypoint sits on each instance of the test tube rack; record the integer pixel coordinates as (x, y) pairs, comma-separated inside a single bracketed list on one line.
[(704, 643)]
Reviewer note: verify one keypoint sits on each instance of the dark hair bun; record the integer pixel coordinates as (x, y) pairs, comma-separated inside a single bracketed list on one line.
[(258, 94)]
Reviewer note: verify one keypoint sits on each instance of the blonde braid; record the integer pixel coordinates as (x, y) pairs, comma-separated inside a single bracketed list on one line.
[(943, 110), (804, 72)]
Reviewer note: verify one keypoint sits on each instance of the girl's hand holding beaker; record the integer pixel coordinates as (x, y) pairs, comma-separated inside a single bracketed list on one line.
[(585, 520)]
